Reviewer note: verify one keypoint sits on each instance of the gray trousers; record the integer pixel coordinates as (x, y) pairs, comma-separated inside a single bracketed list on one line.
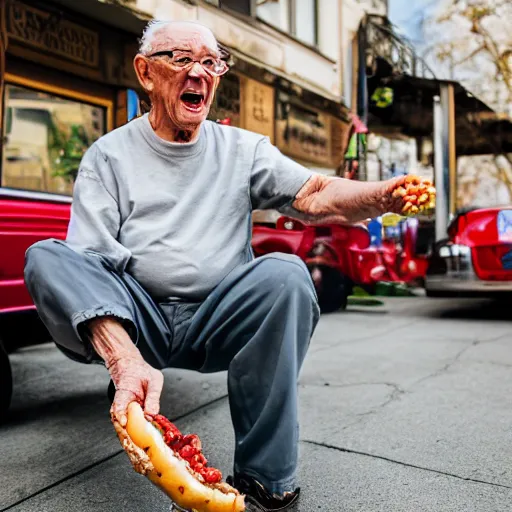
[(256, 324)]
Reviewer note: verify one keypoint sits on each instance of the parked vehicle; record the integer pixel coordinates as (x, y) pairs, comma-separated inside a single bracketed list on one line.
[(331, 253), (340, 257), (476, 258), (25, 218), (404, 257)]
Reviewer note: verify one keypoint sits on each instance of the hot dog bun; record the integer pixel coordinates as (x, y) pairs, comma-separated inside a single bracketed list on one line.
[(151, 456)]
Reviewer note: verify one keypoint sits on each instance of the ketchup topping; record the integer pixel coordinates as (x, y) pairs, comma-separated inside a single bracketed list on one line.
[(188, 447)]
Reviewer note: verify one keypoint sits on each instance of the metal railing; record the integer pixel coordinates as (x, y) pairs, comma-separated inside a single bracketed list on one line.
[(382, 41)]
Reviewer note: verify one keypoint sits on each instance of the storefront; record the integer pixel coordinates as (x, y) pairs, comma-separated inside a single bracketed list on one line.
[(245, 102), (314, 136), (65, 84), (69, 79)]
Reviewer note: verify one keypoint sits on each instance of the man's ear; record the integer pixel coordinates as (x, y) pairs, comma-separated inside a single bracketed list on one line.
[(141, 65)]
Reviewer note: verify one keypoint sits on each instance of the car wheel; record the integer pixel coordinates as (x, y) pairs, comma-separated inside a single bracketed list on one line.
[(5, 382), (332, 289)]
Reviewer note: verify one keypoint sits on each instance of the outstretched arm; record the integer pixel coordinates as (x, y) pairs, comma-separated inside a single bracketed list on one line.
[(275, 180), (325, 199)]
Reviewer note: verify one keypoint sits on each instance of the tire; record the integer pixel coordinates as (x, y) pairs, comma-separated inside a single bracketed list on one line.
[(22, 329), (333, 291), (5, 383)]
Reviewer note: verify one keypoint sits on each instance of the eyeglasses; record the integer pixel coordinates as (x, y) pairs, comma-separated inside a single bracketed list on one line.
[(180, 61)]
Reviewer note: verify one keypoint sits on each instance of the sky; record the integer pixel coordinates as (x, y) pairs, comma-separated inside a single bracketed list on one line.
[(409, 19)]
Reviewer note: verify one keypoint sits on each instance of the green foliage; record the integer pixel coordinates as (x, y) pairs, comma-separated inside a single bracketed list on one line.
[(65, 151), (383, 97)]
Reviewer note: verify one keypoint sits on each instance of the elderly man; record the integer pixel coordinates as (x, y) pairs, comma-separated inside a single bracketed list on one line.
[(157, 269)]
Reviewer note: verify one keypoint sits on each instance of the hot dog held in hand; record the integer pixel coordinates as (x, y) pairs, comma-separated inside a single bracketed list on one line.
[(418, 195), (175, 463)]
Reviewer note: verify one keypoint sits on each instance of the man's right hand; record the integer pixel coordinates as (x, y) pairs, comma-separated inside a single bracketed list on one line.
[(135, 381)]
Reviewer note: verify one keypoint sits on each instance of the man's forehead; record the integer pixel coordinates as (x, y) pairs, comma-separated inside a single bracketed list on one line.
[(185, 36)]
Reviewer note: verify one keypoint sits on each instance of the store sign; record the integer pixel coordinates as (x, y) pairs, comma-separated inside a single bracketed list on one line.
[(258, 108), (52, 34), (303, 133)]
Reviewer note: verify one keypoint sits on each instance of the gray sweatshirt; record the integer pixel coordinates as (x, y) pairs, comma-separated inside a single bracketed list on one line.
[(177, 217)]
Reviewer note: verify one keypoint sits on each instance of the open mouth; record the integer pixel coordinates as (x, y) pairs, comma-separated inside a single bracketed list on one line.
[(192, 100)]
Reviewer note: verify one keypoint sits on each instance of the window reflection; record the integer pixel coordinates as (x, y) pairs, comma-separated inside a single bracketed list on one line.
[(297, 17), (305, 21), (45, 137), (275, 12)]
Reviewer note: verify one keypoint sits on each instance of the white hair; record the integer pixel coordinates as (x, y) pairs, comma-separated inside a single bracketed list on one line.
[(155, 26)]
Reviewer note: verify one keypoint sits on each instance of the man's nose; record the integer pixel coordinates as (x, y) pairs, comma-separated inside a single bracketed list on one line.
[(197, 71)]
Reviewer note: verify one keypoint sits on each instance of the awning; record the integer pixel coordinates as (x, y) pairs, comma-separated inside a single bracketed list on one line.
[(479, 130), (401, 90), (108, 12)]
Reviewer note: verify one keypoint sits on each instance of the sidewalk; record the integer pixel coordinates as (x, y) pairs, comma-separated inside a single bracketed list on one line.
[(404, 407)]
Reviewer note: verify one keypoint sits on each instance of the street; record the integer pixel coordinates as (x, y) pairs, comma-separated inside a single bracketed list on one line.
[(404, 407)]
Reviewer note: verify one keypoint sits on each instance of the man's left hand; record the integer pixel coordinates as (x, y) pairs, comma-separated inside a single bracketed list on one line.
[(326, 199)]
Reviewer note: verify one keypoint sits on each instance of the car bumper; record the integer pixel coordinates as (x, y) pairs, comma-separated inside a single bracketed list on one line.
[(451, 272)]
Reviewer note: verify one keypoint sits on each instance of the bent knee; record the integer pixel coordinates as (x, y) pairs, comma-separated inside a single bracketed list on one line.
[(43, 255), (44, 248), (286, 269)]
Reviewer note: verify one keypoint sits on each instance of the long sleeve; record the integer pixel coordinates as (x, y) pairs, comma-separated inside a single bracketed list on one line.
[(95, 217), (275, 178)]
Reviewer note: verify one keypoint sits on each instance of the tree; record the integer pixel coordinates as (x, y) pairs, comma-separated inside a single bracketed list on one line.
[(472, 40)]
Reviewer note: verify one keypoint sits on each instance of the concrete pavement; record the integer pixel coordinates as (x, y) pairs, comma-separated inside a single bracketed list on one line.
[(404, 407)]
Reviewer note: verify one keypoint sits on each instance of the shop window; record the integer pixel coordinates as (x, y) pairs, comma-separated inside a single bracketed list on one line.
[(45, 137), (297, 17)]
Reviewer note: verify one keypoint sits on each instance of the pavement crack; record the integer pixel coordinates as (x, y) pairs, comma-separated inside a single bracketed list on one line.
[(404, 464), (327, 384), (362, 338), (456, 358), (101, 461), (393, 397), (396, 394)]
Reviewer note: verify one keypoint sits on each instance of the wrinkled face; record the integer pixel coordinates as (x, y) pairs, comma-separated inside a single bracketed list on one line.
[(185, 93)]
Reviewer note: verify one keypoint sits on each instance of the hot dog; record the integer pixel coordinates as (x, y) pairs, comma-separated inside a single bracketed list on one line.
[(419, 195), (175, 463)]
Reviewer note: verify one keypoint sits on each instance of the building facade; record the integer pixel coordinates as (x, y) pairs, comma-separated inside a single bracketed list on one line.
[(67, 78)]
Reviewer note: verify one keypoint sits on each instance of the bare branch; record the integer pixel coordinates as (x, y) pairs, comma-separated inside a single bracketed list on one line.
[(470, 56)]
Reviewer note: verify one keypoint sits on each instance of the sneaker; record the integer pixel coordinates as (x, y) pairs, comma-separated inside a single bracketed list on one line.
[(261, 499)]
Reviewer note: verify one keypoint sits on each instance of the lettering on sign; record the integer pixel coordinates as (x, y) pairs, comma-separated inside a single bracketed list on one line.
[(258, 100), (48, 32), (303, 133)]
